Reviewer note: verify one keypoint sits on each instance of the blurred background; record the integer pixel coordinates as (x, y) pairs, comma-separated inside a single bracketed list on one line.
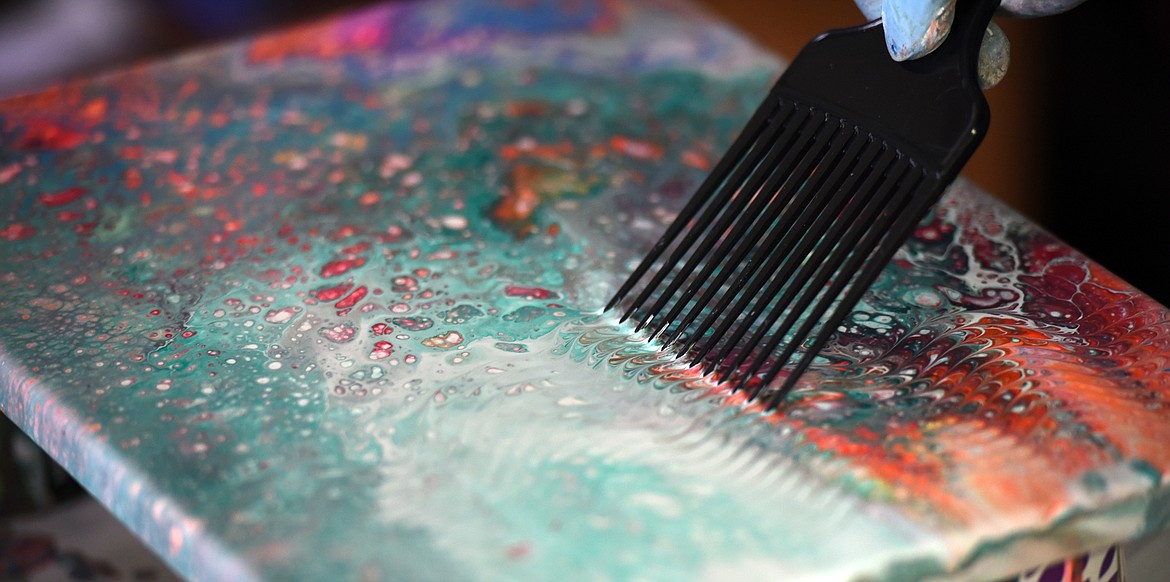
[(1079, 126)]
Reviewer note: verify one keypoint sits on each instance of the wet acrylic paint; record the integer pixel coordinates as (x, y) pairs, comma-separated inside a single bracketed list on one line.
[(327, 301)]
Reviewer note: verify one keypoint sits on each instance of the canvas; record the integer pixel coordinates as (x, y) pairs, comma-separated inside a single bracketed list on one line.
[(327, 304)]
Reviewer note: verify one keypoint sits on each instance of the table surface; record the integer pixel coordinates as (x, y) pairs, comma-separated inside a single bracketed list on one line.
[(324, 303)]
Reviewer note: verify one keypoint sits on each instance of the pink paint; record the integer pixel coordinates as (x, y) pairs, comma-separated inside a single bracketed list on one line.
[(281, 315), (404, 284), (382, 349), (339, 333), (519, 551), (413, 323), (9, 172)]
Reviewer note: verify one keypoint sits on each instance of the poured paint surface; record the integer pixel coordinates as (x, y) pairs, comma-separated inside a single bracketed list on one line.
[(325, 304)]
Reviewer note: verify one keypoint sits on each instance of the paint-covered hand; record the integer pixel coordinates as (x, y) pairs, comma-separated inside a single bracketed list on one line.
[(916, 27)]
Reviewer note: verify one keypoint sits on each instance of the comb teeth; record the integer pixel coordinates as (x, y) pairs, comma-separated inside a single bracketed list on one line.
[(777, 246), (800, 216)]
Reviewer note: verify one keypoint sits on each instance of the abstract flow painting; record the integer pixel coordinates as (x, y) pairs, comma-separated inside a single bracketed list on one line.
[(327, 303)]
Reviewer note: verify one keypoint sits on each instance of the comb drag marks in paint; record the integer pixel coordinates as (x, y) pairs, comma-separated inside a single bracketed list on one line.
[(324, 302)]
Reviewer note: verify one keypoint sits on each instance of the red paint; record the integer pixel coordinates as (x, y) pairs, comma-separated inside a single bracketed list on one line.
[(332, 293), (182, 185), (528, 292), (352, 299), (937, 230), (133, 178), (696, 160), (335, 268), (61, 198), (41, 134), (342, 233), (636, 148), (17, 231), (355, 249)]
